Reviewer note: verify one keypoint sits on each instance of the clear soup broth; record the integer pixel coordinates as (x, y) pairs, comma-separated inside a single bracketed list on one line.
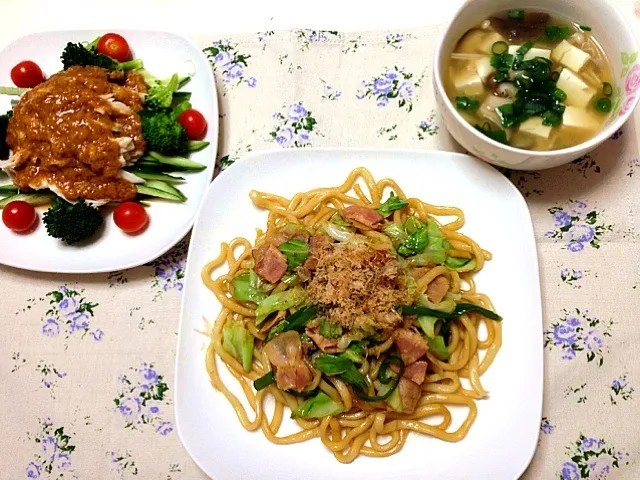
[(531, 80)]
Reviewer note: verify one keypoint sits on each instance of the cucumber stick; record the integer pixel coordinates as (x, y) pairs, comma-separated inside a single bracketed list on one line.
[(153, 175), (179, 162), (155, 188), (34, 199), (8, 190)]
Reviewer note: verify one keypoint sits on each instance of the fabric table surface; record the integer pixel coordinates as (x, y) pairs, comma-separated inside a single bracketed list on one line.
[(87, 361)]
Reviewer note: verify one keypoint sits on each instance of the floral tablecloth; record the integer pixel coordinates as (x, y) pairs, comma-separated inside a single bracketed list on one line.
[(87, 361)]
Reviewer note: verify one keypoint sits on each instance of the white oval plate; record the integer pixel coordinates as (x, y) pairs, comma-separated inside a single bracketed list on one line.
[(163, 54), (503, 439)]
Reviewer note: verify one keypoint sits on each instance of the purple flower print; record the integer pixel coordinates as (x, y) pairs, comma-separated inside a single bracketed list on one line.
[(405, 90), (562, 219), (79, 321), (578, 331), (98, 335), (223, 59), (63, 461), (546, 427), (575, 246), (573, 321), (53, 454), (130, 407), (234, 71), (564, 334), (69, 312), (593, 341), (382, 86), (150, 374), (570, 471), (164, 428), (581, 233), (49, 446), (591, 444), (295, 128), (284, 136), (251, 82), (33, 470), (578, 226), (169, 269), (229, 63), (393, 84), (303, 136), (140, 397), (50, 328), (297, 112), (591, 458)]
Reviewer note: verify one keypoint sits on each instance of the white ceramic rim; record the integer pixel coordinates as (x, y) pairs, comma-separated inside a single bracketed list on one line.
[(576, 149)]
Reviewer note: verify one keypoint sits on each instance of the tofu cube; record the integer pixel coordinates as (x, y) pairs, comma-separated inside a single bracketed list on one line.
[(532, 53), (468, 83), (579, 94), (484, 68), (580, 118), (570, 56), (534, 126)]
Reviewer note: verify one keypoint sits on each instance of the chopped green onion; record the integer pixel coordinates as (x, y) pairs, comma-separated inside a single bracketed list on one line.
[(559, 95), (409, 310), (264, 381), (551, 118), (555, 33), (524, 48), (607, 89), (385, 379), (603, 105), (297, 321), (467, 103), (497, 135), (584, 28), (516, 14), (499, 47)]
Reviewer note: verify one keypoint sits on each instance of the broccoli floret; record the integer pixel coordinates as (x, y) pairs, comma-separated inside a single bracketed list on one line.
[(161, 92), (162, 132), (4, 125), (70, 222), (80, 55)]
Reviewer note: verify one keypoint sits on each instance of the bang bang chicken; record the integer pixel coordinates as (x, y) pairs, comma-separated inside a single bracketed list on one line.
[(74, 133)]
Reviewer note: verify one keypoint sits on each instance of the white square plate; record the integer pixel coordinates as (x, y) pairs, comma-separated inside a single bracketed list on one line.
[(163, 54), (502, 440)]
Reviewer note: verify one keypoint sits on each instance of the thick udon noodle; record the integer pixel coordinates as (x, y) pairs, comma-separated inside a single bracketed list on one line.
[(373, 433)]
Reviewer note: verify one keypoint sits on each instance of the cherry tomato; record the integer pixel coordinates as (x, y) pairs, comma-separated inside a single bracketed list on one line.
[(27, 74), (114, 46), (130, 217), (19, 216), (193, 122)]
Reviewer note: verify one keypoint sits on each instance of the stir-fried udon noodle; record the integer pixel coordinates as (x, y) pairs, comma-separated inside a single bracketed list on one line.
[(359, 313)]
